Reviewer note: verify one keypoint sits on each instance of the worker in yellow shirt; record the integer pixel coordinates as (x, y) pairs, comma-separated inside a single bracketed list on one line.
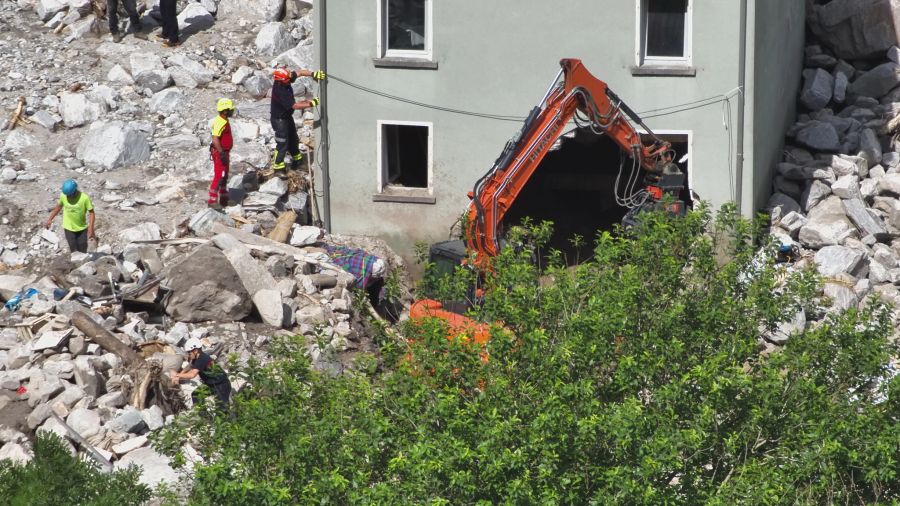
[(78, 216)]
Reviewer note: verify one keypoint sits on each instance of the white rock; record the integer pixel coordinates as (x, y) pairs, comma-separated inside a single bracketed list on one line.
[(167, 101), (147, 231), (194, 18), (153, 417), (77, 110), (273, 39), (84, 421), (241, 74), (16, 453), (274, 186), (113, 144), (46, 9), (154, 467), (200, 73), (304, 235), (833, 260), (301, 56)]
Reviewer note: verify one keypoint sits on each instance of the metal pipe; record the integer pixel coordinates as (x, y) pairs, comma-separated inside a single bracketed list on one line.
[(323, 119), (742, 73)]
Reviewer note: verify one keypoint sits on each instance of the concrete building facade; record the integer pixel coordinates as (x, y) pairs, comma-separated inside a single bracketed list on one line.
[(423, 95)]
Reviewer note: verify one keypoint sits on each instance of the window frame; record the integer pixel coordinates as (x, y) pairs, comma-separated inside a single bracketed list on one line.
[(381, 48), (641, 57), (401, 193)]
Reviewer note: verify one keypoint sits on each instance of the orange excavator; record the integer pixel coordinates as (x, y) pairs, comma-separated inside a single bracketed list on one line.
[(576, 95)]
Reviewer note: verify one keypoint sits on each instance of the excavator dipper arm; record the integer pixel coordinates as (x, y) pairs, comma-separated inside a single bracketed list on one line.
[(577, 91)]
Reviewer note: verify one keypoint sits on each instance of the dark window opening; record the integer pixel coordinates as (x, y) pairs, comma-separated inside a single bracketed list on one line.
[(666, 21), (406, 24), (574, 187), (405, 152)]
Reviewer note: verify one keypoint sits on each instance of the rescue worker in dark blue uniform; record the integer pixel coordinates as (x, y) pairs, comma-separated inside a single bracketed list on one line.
[(287, 142)]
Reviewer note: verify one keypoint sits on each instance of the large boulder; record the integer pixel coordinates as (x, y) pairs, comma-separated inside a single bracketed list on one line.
[(113, 144), (194, 18), (857, 28), (274, 39), (77, 110), (46, 9), (818, 87), (301, 56), (828, 225), (167, 101), (197, 71), (205, 287), (819, 136), (148, 71), (877, 82), (833, 260), (154, 468)]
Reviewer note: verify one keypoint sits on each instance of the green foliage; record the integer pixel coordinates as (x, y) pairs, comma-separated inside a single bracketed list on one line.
[(55, 477), (633, 378)]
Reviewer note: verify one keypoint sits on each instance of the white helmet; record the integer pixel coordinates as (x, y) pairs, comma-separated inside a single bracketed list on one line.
[(192, 344)]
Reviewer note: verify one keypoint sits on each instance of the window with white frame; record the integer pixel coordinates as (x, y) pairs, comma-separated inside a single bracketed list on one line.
[(405, 157), (404, 29), (664, 34)]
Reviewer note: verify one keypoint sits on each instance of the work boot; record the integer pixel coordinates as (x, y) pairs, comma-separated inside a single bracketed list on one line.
[(215, 206), (280, 173), (116, 38)]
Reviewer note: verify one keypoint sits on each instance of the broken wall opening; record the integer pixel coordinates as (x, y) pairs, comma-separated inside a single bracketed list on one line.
[(574, 187)]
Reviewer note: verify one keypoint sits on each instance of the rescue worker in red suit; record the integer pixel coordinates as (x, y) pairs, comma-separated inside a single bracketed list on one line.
[(287, 142), (219, 150)]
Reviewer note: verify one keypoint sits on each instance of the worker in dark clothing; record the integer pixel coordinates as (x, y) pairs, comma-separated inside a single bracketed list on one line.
[(112, 7), (287, 142), (211, 374), (168, 12)]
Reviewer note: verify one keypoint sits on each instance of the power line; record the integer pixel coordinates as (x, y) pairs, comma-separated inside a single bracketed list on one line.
[(662, 111)]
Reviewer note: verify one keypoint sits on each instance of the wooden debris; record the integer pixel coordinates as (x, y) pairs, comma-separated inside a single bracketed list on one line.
[(282, 230), (17, 114)]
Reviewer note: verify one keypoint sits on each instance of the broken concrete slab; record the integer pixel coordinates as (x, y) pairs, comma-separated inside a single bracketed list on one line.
[(255, 278), (129, 445)]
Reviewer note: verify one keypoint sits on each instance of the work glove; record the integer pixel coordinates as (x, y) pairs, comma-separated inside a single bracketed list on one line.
[(314, 102), (318, 75)]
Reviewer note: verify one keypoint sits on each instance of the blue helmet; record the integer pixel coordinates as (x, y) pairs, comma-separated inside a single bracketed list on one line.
[(69, 187)]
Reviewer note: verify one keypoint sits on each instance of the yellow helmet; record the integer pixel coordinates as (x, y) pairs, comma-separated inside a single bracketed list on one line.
[(224, 104)]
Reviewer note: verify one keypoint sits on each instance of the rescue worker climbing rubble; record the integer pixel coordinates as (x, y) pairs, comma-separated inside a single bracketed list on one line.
[(220, 152), (211, 374), (287, 142)]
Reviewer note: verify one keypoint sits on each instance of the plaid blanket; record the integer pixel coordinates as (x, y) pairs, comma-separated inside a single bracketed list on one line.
[(355, 261)]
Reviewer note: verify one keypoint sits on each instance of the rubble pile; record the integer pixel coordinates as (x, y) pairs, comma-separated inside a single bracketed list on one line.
[(836, 197), (131, 122), (230, 288)]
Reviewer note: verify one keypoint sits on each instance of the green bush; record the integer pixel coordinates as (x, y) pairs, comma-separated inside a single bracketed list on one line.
[(54, 477), (634, 378)]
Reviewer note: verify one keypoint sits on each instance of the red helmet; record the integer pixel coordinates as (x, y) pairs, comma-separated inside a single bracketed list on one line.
[(281, 75)]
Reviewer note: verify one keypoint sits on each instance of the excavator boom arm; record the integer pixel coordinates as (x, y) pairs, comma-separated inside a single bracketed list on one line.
[(578, 91)]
